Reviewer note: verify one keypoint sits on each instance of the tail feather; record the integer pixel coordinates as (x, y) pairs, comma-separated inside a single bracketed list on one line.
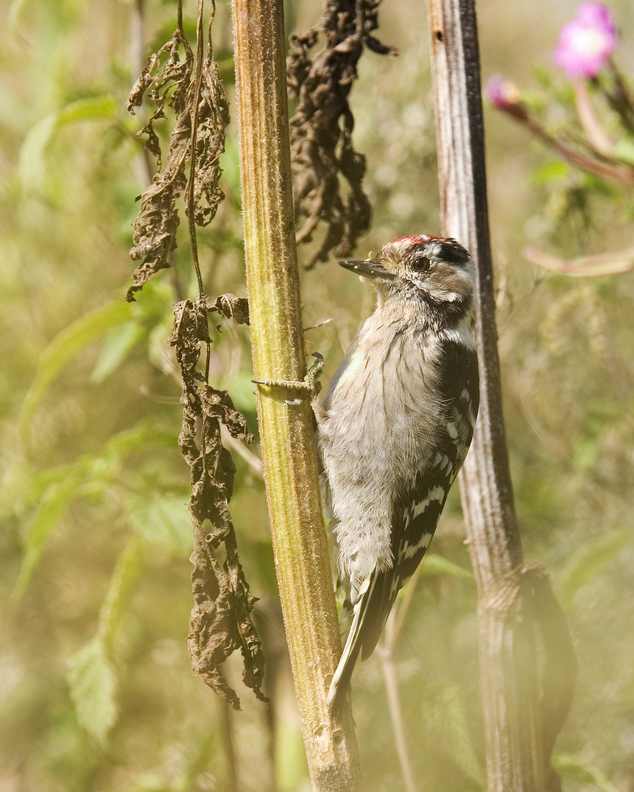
[(379, 606), (341, 680), (355, 642)]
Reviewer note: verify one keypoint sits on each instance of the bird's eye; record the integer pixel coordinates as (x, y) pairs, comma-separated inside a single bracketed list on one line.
[(420, 264)]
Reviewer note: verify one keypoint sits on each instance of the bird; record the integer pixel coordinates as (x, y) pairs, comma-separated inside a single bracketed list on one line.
[(394, 428)]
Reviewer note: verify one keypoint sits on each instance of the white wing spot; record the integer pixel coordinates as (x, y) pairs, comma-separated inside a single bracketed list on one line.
[(423, 544), (436, 494), (441, 461), (452, 430)]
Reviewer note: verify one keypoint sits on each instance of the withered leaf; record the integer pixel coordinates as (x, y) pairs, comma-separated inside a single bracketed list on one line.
[(236, 308), (321, 129), (154, 229), (220, 621), (159, 80), (213, 118)]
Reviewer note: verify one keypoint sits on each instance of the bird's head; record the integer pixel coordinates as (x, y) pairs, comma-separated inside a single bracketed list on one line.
[(437, 270)]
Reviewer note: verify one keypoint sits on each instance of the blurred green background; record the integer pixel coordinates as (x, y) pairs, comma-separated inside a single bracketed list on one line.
[(96, 687)]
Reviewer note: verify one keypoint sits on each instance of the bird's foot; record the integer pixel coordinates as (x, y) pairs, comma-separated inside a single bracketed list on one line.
[(310, 384)]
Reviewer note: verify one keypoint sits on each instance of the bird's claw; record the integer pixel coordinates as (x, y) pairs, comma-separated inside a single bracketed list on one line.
[(310, 384)]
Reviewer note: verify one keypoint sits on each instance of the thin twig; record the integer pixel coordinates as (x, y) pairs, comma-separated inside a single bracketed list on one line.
[(601, 165), (191, 208), (179, 15), (597, 135), (228, 739), (137, 47), (621, 101), (191, 213), (386, 654), (597, 266), (616, 173), (253, 461), (401, 611)]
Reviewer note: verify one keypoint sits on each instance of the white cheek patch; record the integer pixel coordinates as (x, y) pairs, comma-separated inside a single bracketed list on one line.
[(452, 284), (443, 295), (462, 333)]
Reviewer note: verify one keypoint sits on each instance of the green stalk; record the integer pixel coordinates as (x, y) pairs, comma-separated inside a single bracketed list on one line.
[(286, 430)]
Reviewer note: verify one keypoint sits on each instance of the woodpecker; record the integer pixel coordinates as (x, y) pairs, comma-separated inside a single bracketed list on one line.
[(395, 426)]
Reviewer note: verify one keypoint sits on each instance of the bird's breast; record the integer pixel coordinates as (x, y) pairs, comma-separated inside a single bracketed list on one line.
[(385, 396)]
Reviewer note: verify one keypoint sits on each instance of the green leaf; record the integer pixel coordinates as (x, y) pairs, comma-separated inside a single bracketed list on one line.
[(242, 393), (120, 342), (66, 345), (127, 570), (162, 518), (450, 719), (551, 172), (46, 518), (588, 561), (92, 678), (56, 488), (200, 761), (13, 16), (434, 564), (37, 487), (142, 436), (149, 782), (576, 769), (92, 468), (32, 162), (93, 689), (624, 150)]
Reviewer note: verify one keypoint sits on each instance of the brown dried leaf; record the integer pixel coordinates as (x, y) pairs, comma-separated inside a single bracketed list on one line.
[(321, 129), (213, 117), (236, 308), (159, 81), (220, 620), (154, 229)]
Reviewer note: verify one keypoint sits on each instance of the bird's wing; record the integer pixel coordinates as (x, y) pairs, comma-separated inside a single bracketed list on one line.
[(415, 527), (416, 512)]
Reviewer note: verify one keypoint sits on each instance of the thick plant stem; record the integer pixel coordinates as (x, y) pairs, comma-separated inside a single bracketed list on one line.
[(286, 422), (520, 728)]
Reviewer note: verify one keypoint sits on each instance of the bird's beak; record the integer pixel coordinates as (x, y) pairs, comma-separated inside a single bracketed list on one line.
[(368, 269)]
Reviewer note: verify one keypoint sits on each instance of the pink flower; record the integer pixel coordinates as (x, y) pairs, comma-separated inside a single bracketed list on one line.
[(586, 42), (502, 93)]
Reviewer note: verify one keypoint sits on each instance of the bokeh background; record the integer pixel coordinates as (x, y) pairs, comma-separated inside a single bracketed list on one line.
[(96, 687)]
